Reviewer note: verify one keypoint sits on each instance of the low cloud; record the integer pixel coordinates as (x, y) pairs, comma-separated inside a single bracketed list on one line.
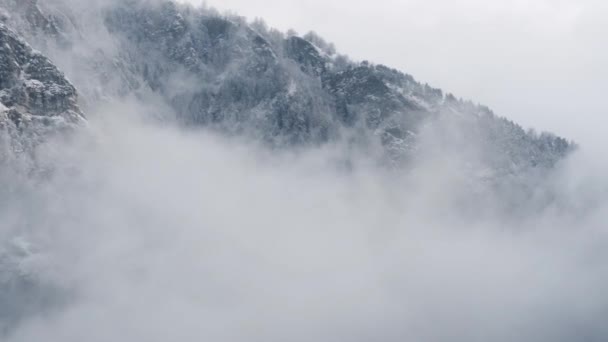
[(148, 233)]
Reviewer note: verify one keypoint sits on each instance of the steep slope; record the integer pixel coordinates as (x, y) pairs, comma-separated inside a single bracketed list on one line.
[(35, 98), (240, 78)]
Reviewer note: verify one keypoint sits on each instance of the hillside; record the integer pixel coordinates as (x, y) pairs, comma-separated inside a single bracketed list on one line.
[(201, 68)]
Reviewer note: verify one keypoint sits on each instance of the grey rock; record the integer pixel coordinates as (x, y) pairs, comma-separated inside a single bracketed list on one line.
[(36, 99)]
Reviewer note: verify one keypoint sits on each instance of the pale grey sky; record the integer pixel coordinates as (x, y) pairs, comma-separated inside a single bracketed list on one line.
[(542, 63)]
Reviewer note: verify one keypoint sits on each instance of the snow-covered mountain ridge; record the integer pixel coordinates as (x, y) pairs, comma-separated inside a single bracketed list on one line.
[(206, 69)]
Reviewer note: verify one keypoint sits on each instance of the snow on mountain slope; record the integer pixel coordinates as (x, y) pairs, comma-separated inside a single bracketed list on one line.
[(36, 100), (222, 72)]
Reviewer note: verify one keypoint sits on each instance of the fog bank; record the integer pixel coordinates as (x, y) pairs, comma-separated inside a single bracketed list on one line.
[(144, 232)]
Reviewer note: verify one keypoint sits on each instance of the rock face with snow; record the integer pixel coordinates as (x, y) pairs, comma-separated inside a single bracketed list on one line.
[(244, 79), (35, 98)]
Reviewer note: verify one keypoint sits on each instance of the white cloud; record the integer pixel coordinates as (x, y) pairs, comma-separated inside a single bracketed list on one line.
[(158, 234)]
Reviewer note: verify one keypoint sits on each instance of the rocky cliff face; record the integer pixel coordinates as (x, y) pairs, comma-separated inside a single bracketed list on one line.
[(36, 99)]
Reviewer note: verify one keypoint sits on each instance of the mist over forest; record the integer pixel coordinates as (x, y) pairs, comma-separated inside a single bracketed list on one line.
[(169, 172)]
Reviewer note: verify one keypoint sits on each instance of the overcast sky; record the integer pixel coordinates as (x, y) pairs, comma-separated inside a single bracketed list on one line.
[(542, 63)]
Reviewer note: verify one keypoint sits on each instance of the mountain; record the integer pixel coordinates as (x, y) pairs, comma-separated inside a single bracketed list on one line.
[(212, 70), (195, 67)]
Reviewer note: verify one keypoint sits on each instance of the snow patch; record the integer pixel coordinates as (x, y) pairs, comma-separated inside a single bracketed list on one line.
[(33, 84), (320, 51), (292, 88)]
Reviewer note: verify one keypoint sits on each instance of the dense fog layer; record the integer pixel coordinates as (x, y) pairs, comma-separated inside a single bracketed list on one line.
[(144, 232)]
